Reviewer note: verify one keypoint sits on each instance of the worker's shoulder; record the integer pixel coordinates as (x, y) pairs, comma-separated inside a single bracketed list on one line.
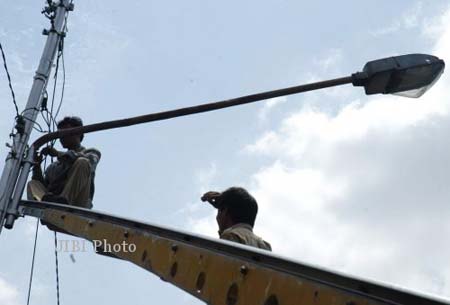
[(243, 234), (232, 236), (264, 245), (240, 228), (92, 150)]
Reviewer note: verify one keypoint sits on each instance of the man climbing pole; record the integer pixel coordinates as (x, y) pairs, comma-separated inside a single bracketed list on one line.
[(236, 214), (70, 179)]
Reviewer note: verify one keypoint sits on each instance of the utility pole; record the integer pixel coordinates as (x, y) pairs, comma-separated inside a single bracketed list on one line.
[(11, 186)]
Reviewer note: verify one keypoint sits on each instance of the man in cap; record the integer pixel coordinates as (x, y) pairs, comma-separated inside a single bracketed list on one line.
[(236, 214), (70, 179)]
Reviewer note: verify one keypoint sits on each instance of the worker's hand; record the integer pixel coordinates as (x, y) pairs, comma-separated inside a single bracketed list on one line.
[(37, 158), (211, 197), (50, 151)]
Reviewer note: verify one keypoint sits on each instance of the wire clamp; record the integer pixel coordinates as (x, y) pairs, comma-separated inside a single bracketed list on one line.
[(44, 101), (20, 124), (52, 30), (12, 154)]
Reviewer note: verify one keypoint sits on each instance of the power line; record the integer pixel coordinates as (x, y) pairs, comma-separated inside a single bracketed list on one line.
[(50, 120), (38, 126), (32, 262), (55, 83), (51, 124), (61, 46), (57, 270), (9, 79), (52, 115), (63, 84)]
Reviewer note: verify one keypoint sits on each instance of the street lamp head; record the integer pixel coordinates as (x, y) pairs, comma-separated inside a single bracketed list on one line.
[(407, 75)]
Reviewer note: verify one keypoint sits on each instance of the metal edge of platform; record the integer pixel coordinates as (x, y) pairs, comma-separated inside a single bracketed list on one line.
[(359, 286)]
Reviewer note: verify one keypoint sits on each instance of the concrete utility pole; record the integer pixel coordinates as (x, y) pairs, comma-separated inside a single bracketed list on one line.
[(24, 124)]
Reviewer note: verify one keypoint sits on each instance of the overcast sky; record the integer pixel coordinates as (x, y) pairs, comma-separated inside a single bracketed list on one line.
[(353, 183)]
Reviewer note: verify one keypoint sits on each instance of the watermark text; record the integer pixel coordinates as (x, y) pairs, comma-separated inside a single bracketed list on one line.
[(74, 245)]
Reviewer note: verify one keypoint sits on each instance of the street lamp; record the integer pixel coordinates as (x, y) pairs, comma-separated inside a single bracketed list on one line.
[(407, 75)]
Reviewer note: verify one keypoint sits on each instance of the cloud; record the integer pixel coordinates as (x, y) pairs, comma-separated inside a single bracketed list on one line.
[(408, 20), (367, 187), (269, 105), (434, 27), (364, 190), (325, 65), (204, 177), (331, 61), (8, 293)]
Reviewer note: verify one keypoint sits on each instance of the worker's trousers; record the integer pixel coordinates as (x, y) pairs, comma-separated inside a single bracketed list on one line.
[(77, 188)]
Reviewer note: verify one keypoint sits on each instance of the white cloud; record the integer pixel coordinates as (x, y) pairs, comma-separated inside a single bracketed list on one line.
[(204, 177), (409, 19), (331, 61), (206, 225), (365, 190), (269, 105), (367, 187), (324, 66), (8, 293), (434, 27)]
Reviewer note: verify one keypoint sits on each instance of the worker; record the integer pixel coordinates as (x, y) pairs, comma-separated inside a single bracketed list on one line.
[(70, 179), (236, 214)]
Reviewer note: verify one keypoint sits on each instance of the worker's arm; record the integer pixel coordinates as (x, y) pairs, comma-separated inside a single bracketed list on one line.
[(92, 154), (37, 173), (37, 170), (52, 152)]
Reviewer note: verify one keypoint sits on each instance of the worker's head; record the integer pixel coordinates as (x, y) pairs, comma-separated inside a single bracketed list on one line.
[(235, 205), (74, 141)]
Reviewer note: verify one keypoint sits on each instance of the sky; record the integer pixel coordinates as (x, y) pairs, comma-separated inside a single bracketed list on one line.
[(344, 181)]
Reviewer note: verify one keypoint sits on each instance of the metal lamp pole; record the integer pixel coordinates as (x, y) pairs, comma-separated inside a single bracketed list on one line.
[(15, 158)]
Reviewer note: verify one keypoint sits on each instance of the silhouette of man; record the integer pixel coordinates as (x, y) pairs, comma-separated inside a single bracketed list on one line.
[(70, 179), (236, 214)]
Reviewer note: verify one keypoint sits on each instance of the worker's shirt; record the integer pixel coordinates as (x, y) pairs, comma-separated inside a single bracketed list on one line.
[(243, 233), (56, 173)]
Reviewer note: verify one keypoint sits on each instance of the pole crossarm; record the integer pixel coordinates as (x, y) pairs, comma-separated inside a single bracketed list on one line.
[(159, 116), (216, 271)]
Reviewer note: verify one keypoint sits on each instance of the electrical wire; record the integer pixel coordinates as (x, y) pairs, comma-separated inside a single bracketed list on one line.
[(57, 269), (34, 251), (45, 118), (52, 115), (55, 83), (36, 125), (52, 127), (50, 120), (32, 262), (63, 84), (9, 79), (63, 65)]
